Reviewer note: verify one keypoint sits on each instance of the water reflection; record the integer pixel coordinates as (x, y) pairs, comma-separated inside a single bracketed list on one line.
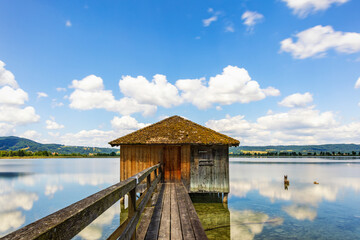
[(95, 230), (262, 206), (213, 214), (34, 188), (246, 224), (221, 223), (258, 207), (12, 205), (301, 212), (260, 188), (50, 190), (11, 220)]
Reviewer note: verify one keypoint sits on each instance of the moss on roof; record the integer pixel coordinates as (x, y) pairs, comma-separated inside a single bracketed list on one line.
[(175, 130)]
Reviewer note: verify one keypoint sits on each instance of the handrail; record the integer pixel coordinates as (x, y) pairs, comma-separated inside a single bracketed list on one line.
[(69, 221)]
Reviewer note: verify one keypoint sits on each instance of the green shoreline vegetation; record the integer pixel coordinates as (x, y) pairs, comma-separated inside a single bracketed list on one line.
[(46, 154)]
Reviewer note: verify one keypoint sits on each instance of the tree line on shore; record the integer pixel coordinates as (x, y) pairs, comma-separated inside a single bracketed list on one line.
[(293, 154), (23, 153)]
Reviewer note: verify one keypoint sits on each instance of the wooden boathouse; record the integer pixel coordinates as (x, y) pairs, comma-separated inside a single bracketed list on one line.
[(170, 159), (189, 153)]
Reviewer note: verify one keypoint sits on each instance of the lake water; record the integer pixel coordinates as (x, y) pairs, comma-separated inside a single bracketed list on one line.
[(259, 206)]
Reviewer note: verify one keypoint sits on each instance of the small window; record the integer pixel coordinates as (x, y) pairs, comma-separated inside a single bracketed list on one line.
[(205, 158)]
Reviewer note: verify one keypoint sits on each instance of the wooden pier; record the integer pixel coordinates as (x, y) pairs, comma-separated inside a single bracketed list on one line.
[(172, 217)]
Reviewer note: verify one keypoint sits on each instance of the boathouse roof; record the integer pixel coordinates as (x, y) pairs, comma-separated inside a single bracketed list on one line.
[(175, 130)]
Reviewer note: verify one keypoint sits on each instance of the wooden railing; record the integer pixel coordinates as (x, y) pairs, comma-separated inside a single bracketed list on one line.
[(68, 222)]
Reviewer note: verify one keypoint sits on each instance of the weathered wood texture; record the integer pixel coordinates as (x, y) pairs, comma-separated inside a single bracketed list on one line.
[(209, 169), (164, 231), (154, 226), (185, 165), (67, 222), (174, 216), (175, 160), (202, 168), (147, 214), (136, 158), (172, 163)]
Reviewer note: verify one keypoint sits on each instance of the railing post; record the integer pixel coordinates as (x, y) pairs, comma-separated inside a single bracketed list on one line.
[(148, 181), (132, 207)]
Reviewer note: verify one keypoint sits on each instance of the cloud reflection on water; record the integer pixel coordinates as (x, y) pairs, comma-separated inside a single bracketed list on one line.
[(95, 230), (11, 203), (304, 196), (10, 220), (55, 184), (247, 223), (301, 212)]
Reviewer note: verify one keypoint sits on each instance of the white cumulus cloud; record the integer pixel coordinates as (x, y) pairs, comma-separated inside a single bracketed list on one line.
[(251, 18), (100, 138), (303, 7), (6, 129), (11, 100), (157, 92), (52, 125), (15, 115), (89, 94), (316, 41), (89, 83), (68, 23), (297, 100), (92, 137), (31, 134), (7, 77), (296, 119), (233, 85), (11, 96), (297, 126), (126, 123)]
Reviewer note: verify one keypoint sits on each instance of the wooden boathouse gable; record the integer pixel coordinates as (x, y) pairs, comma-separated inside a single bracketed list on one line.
[(189, 153)]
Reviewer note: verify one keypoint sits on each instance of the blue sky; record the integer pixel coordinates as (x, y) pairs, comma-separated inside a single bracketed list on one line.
[(265, 72)]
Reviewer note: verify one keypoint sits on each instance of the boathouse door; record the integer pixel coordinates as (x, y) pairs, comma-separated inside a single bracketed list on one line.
[(172, 164)]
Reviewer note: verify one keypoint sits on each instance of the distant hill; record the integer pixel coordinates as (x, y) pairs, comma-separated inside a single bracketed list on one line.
[(344, 148), (18, 143)]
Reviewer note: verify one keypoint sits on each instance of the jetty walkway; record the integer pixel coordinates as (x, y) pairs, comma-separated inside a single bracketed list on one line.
[(173, 215)]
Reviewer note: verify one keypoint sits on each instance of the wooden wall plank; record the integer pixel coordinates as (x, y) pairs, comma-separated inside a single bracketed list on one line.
[(194, 171)]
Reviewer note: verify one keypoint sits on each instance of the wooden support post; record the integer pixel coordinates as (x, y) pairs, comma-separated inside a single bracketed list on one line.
[(161, 168), (132, 207), (225, 198)]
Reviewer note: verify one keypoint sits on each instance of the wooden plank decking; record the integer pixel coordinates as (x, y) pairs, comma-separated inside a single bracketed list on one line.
[(173, 217)]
